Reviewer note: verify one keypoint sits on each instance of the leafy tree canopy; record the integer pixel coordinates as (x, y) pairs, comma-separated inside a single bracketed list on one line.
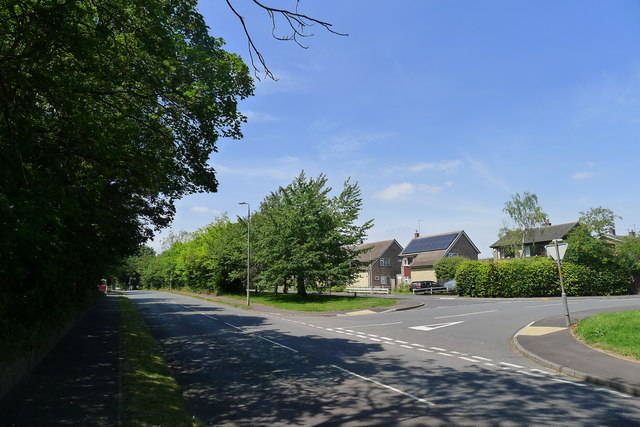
[(110, 110), (303, 233), (525, 213), (598, 221)]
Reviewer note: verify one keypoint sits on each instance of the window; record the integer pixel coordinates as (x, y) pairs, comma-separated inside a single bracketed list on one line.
[(406, 261), (385, 262), (385, 280), (452, 254)]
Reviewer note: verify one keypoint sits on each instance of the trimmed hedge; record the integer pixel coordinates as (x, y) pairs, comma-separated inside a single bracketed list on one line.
[(536, 277)]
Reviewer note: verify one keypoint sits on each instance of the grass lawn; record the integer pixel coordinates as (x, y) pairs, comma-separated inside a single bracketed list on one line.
[(615, 332), (150, 394)]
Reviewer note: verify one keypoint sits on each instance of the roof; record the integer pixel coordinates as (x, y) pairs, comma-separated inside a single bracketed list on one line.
[(543, 234), (435, 242), (428, 259), (374, 250)]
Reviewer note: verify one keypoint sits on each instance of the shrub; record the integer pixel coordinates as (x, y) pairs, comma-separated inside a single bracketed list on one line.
[(446, 268)]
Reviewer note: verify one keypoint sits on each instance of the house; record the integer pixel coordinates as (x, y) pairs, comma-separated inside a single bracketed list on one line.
[(535, 240), (382, 264), (422, 253)]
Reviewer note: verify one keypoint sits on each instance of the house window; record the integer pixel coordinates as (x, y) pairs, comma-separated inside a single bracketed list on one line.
[(385, 280), (385, 262), (452, 254), (406, 261)]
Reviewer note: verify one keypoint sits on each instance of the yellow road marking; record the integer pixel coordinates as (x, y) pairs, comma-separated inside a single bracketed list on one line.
[(535, 331), (355, 313)]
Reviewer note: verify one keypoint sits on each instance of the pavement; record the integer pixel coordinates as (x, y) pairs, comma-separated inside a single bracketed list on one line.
[(78, 383), (552, 344)]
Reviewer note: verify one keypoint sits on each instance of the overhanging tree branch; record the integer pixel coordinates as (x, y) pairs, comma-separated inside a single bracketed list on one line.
[(297, 23)]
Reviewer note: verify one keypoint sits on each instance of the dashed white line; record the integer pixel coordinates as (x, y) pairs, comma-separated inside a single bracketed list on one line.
[(511, 365), (388, 387), (406, 346), (482, 358), (438, 348), (468, 359), (446, 354), (425, 350)]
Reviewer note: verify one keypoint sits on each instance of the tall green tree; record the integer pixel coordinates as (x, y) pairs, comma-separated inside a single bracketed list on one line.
[(526, 214), (109, 111), (304, 234), (598, 221)]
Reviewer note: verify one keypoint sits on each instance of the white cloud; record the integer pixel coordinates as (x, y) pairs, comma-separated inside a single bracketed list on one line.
[(447, 166), (583, 175), (257, 117), (339, 146), (205, 210), (400, 191)]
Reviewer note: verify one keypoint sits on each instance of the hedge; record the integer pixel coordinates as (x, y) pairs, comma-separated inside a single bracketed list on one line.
[(536, 277)]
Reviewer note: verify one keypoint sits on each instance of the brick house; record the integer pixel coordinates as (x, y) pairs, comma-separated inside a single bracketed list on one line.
[(422, 253), (382, 264)]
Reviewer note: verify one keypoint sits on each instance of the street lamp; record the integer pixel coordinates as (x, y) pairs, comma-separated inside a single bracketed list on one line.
[(248, 249)]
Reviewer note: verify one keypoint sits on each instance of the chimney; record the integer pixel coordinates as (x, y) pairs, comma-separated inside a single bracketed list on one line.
[(416, 234), (547, 222)]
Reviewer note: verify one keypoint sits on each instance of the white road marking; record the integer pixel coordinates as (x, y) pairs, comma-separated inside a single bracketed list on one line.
[(375, 339), (388, 387), (438, 348), (278, 344), (468, 359), (558, 380), (388, 339), (376, 324), (446, 354), (491, 364), (544, 372), (434, 326), (544, 305), (511, 365), (482, 358), (615, 393), (425, 350), (531, 374), (401, 342), (406, 346), (466, 314)]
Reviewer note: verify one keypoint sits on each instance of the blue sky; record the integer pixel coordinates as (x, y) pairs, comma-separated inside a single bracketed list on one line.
[(440, 110)]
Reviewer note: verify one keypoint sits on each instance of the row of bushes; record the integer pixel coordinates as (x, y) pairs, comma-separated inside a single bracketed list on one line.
[(537, 277)]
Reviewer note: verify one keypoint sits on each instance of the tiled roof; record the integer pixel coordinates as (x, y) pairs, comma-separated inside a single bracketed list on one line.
[(375, 250), (428, 259), (543, 234)]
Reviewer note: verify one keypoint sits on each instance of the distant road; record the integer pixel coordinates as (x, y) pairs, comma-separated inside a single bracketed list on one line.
[(448, 363)]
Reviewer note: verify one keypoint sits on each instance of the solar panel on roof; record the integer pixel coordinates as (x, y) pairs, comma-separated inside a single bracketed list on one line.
[(434, 243)]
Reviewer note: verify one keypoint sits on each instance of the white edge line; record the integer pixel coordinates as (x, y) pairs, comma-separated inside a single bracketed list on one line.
[(388, 387), (278, 344)]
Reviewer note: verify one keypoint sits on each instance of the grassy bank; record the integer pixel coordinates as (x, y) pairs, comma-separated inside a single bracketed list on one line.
[(615, 332), (150, 394)]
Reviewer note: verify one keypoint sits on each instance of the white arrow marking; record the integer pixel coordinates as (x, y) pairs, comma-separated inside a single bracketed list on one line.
[(434, 326)]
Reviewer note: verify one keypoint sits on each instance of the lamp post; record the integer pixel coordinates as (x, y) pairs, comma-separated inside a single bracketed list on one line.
[(248, 249)]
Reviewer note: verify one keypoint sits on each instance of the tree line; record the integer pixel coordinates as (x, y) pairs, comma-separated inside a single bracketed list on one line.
[(302, 238)]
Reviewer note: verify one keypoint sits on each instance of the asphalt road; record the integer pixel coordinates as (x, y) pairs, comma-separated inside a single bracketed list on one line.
[(448, 363)]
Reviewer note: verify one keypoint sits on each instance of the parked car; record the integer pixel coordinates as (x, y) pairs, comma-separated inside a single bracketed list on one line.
[(450, 285), (423, 284)]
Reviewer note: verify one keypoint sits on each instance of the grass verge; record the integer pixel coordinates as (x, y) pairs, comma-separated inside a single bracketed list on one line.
[(294, 302), (615, 332), (319, 302), (150, 394)]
